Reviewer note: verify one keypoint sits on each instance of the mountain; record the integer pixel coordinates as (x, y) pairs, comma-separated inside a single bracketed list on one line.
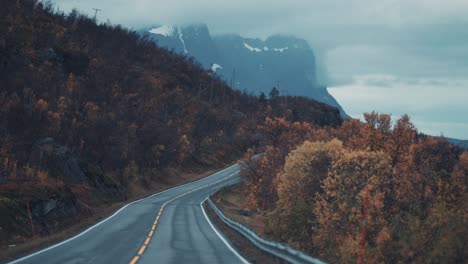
[(255, 65), (458, 142)]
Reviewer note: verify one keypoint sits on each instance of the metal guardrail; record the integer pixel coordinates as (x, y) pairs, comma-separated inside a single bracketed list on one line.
[(276, 249)]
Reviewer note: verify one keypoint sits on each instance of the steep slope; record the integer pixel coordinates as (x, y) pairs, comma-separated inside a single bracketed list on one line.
[(285, 62), (260, 65), (194, 41), (92, 114)]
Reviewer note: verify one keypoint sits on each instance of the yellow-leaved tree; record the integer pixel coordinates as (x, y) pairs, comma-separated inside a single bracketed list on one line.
[(298, 184), (339, 207)]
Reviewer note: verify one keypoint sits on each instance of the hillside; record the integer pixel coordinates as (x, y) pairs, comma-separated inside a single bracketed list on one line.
[(251, 64), (457, 142), (92, 114)]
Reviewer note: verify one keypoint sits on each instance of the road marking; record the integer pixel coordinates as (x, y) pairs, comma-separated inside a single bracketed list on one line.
[(242, 259), (134, 260), (151, 233), (112, 216), (142, 249)]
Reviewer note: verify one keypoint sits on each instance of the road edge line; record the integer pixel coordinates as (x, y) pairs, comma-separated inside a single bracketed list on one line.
[(242, 259)]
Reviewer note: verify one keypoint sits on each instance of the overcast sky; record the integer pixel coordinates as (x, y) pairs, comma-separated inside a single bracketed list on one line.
[(395, 56)]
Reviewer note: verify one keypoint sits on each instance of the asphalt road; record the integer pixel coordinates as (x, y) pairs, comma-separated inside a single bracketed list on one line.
[(167, 227)]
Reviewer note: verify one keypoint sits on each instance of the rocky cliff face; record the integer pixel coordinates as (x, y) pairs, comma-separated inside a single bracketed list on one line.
[(255, 65)]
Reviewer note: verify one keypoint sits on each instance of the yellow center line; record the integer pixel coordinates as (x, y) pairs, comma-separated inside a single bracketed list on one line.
[(134, 260), (151, 233), (142, 249)]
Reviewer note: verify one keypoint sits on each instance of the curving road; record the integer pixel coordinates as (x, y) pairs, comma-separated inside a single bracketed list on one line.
[(167, 227)]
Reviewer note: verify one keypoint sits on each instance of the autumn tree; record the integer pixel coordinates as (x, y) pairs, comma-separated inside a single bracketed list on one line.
[(402, 138), (259, 174), (272, 129), (378, 130), (298, 184), (431, 199), (339, 208), (351, 134)]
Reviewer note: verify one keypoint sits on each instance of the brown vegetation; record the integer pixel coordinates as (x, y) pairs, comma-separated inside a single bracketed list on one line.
[(372, 190)]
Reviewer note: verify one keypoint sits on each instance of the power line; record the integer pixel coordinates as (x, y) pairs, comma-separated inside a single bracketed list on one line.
[(284, 94), (96, 10), (233, 80)]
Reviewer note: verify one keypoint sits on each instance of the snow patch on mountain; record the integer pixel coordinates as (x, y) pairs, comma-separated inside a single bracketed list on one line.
[(165, 31), (247, 46), (265, 48), (215, 66), (280, 49), (181, 37)]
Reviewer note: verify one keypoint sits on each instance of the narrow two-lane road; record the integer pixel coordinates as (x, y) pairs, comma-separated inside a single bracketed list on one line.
[(168, 227)]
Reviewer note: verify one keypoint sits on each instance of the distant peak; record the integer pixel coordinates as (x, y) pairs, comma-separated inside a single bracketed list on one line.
[(196, 26)]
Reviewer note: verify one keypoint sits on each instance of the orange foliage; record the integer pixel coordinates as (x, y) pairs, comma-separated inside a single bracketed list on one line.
[(417, 203), (41, 105)]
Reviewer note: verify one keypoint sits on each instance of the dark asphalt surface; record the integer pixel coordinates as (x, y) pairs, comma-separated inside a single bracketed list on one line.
[(183, 233)]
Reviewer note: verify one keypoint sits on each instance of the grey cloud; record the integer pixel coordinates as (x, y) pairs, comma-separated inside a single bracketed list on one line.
[(248, 15), (411, 39), (417, 37)]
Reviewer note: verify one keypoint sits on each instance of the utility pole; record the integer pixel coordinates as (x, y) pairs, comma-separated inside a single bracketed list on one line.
[(286, 98), (284, 93), (96, 10), (233, 80), (211, 93), (224, 92)]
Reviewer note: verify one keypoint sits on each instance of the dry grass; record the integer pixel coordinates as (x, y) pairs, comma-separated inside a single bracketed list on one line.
[(230, 200)]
